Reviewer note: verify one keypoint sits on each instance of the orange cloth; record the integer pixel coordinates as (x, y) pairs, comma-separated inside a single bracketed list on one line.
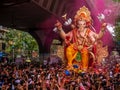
[(71, 55), (72, 49)]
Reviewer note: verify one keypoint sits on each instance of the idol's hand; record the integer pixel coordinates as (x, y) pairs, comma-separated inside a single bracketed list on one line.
[(104, 24), (103, 27), (90, 47), (58, 25)]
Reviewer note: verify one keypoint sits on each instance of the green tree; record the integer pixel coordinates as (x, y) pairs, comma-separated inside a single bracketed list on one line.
[(117, 32), (21, 42), (117, 29)]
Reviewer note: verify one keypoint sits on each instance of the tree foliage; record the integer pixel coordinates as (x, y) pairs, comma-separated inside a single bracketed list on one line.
[(20, 41), (117, 33), (116, 0)]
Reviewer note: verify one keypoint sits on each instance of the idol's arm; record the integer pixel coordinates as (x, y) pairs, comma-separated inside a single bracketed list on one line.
[(62, 34), (102, 31), (60, 30)]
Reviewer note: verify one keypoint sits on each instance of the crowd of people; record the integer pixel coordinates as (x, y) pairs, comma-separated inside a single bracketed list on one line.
[(35, 76)]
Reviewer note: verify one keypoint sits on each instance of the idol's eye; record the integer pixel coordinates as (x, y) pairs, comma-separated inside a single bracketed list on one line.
[(82, 23)]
